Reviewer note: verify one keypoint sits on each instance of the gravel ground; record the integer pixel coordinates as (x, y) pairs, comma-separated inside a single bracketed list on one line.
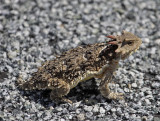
[(32, 31)]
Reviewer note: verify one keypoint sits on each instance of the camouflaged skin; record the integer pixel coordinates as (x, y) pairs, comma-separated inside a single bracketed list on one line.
[(98, 60)]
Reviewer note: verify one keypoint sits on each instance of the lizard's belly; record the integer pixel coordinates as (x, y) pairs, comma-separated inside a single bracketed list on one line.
[(88, 75)]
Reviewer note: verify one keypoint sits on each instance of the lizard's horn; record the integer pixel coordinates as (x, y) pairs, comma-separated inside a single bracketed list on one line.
[(111, 36), (113, 42)]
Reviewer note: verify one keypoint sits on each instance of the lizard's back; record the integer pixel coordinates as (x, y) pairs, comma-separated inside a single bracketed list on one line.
[(71, 65)]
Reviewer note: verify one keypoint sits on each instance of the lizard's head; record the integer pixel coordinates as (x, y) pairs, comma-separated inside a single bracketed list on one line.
[(127, 43)]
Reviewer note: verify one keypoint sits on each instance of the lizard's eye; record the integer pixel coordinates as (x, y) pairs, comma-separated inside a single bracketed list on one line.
[(129, 43)]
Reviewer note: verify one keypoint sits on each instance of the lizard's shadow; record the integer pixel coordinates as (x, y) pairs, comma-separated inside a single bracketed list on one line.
[(85, 92)]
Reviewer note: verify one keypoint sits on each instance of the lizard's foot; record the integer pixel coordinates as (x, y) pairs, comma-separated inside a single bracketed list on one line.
[(118, 96), (66, 100), (59, 90), (105, 91), (60, 99)]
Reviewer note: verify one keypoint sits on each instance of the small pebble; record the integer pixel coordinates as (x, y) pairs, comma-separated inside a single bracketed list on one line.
[(96, 108), (113, 110), (81, 117), (88, 108), (102, 110), (134, 85)]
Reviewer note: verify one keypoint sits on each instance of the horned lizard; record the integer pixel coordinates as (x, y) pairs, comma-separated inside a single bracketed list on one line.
[(98, 60)]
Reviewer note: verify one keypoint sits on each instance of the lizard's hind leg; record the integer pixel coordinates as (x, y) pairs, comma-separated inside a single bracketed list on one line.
[(22, 84), (59, 89)]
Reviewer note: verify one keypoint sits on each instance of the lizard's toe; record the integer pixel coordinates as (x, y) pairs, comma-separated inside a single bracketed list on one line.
[(118, 96)]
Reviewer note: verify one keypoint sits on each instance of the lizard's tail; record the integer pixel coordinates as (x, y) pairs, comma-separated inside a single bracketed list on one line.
[(24, 85), (30, 84), (21, 83)]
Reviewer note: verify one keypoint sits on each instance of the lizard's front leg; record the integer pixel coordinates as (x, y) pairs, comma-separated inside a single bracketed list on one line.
[(107, 76)]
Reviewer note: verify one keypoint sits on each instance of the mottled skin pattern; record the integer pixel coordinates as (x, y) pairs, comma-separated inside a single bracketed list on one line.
[(98, 60)]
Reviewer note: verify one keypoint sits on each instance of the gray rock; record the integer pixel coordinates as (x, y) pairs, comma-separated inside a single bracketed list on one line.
[(59, 109), (96, 108), (89, 115), (157, 41), (113, 110), (88, 108), (146, 40), (147, 101), (26, 33), (102, 110), (1, 27), (10, 69), (156, 84), (158, 77), (140, 83), (62, 119), (77, 104), (35, 29), (81, 117), (134, 85), (12, 54), (47, 50)]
